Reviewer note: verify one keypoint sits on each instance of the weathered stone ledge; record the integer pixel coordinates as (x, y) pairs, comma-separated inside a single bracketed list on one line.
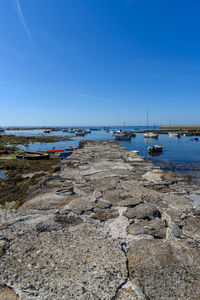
[(108, 225)]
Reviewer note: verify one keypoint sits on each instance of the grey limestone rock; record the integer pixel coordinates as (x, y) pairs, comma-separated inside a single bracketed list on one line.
[(104, 215), (65, 263), (107, 225), (191, 227), (166, 269), (156, 228), (142, 211), (82, 204)]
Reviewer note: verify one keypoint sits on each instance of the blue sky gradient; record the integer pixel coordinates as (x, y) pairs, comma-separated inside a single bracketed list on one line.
[(66, 62)]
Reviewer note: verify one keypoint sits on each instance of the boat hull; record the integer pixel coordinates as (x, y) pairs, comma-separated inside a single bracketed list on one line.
[(33, 156), (155, 149), (122, 138)]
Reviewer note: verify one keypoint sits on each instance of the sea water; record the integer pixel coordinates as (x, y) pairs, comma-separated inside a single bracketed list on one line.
[(180, 155)]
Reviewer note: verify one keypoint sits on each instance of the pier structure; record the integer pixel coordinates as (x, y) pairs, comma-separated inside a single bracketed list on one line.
[(108, 224)]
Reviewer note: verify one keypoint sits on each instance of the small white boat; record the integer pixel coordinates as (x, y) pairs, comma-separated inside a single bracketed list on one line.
[(186, 134), (174, 134), (155, 148), (80, 132), (150, 135), (133, 134), (47, 131)]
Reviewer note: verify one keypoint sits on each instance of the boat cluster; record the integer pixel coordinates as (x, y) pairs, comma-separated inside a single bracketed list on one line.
[(122, 134), (76, 131), (155, 149), (62, 153)]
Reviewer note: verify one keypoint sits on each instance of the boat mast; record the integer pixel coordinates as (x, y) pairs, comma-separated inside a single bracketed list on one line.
[(147, 119)]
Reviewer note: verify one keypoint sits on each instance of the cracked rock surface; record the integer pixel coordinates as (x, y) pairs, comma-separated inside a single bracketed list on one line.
[(108, 225)]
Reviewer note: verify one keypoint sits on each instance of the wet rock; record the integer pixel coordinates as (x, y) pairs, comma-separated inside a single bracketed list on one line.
[(166, 269), (156, 228), (142, 211)]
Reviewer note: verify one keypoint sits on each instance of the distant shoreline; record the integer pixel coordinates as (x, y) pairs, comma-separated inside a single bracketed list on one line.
[(179, 127)]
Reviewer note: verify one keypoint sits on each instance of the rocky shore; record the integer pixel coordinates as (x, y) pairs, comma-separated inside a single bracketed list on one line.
[(107, 225)]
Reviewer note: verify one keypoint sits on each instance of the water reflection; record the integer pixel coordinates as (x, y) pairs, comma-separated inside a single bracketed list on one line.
[(154, 154)]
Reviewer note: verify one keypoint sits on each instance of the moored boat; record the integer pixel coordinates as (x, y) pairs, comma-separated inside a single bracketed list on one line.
[(54, 150), (122, 136), (47, 131), (150, 135), (133, 134), (174, 134), (71, 148), (194, 139), (155, 148), (187, 134), (33, 155), (80, 132)]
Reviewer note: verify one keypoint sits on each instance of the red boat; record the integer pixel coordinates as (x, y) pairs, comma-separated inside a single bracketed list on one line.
[(72, 148), (54, 150)]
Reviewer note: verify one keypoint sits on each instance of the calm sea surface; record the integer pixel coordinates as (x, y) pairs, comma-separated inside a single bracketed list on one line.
[(180, 155)]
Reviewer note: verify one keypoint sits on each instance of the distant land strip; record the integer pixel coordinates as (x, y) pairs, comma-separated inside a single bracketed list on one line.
[(179, 126)]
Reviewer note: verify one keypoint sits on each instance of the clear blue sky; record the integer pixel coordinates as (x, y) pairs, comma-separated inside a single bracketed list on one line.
[(99, 62)]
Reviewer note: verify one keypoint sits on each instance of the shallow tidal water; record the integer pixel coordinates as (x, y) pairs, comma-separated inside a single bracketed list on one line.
[(180, 155)]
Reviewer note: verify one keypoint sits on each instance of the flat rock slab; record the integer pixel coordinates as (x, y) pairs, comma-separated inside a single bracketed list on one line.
[(74, 263), (103, 213), (142, 211), (155, 228), (166, 269), (7, 294)]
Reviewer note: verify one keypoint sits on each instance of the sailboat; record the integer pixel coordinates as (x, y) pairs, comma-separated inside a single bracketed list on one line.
[(149, 134)]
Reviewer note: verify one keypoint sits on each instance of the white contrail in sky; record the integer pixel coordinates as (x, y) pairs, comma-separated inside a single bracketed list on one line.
[(22, 20), (94, 98)]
